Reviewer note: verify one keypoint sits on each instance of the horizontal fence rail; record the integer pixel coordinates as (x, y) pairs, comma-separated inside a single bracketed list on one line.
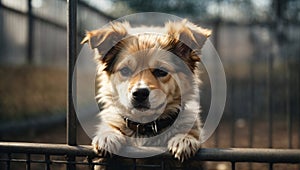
[(260, 155)]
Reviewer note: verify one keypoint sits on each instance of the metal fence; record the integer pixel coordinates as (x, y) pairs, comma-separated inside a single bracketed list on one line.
[(71, 156), (39, 27), (86, 155)]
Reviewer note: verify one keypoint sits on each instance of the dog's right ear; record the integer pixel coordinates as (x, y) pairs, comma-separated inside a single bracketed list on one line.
[(104, 39)]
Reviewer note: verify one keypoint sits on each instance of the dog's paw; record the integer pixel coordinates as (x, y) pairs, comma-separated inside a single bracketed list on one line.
[(183, 146), (108, 143)]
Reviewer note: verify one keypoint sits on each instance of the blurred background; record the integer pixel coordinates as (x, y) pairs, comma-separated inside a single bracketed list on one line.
[(258, 42)]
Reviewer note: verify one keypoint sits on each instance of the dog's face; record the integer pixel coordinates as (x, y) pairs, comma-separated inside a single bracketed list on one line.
[(148, 73), (144, 79)]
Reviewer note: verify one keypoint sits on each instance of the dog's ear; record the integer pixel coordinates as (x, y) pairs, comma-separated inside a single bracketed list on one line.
[(187, 40), (104, 39), (188, 33)]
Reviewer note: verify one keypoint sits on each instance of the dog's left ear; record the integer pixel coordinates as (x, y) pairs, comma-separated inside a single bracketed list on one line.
[(188, 33), (186, 41), (104, 39)]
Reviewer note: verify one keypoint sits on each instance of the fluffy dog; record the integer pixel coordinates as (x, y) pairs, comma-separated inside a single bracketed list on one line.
[(147, 85)]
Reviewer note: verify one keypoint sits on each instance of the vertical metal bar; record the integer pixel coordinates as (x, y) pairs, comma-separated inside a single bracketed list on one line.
[(269, 99), (8, 161), (287, 102), (91, 165), (251, 115), (28, 159), (232, 165), (271, 166), (298, 106), (30, 31), (47, 160), (134, 164), (71, 162), (72, 55), (216, 44), (232, 111), (2, 27), (251, 108), (280, 7), (162, 164), (288, 111)]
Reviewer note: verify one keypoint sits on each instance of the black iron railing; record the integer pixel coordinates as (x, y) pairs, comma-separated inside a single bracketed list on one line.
[(232, 155)]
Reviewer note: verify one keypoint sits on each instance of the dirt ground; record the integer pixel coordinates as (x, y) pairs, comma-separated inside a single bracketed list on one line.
[(27, 92)]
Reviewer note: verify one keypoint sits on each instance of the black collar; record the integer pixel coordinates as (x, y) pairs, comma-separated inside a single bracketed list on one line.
[(151, 128)]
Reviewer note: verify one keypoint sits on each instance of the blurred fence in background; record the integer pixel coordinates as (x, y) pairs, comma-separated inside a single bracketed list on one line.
[(34, 32)]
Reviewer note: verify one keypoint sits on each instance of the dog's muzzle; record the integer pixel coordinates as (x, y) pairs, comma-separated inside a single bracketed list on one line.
[(140, 99)]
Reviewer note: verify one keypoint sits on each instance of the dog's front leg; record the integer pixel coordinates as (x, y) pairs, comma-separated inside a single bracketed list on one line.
[(108, 141)]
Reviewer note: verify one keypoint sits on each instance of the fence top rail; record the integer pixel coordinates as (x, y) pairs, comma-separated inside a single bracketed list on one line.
[(205, 154)]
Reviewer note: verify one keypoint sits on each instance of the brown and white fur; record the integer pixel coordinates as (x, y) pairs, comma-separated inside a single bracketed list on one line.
[(130, 59)]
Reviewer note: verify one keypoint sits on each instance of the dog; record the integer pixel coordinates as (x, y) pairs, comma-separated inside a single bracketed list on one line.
[(147, 85)]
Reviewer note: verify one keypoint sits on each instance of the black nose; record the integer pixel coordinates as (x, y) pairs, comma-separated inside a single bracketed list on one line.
[(140, 95)]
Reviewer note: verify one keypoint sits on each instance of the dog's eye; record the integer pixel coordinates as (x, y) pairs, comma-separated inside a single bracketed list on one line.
[(125, 71), (160, 72)]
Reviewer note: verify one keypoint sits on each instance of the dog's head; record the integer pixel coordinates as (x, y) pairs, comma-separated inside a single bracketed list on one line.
[(147, 73)]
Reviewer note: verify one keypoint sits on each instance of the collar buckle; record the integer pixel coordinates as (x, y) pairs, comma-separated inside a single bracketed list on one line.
[(126, 121), (137, 129), (154, 127)]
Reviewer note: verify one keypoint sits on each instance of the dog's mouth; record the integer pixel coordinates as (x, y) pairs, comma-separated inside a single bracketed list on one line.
[(145, 107), (141, 107)]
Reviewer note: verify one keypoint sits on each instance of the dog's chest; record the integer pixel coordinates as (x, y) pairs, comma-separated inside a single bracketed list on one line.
[(155, 141)]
